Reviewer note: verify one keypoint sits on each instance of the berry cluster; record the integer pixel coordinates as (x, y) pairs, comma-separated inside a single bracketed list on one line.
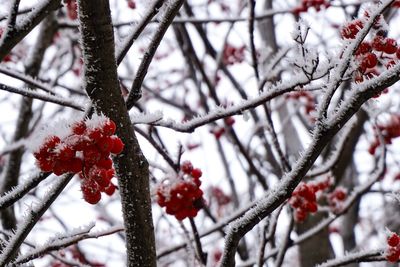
[(392, 253), (381, 50), (305, 97), (218, 131), (350, 30), (182, 196), (233, 54), (85, 151), (72, 9), (336, 198), (219, 195), (304, 199), (389, 131), (306, 4), (77, 255)]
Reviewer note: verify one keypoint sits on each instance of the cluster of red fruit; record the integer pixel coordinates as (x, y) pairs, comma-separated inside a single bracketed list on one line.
[(220, 130), (219, 195), (182, 196), (72, 9), (306, 4), (336, 198), (233, 54), (389, 131), (380, 49), (307, 98), (85, 151), (304, 199), (76, 255), (392, 253)]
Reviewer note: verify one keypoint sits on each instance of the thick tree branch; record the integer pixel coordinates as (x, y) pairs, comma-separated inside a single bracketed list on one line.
[(102, 86)]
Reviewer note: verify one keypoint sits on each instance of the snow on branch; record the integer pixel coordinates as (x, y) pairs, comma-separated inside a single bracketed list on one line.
[(222, 112), (22, 189), (32, 217), (362, 256), (45, 97), (12, 37), (335, 155), (62, 241), (27, 79), (124, 47), (170, 13)]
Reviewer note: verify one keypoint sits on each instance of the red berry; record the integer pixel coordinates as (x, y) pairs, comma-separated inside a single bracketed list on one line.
[(60, 167), (393, 254), (110, 189), (99, 176), (66, 153), (105, 163), (196, 173), (398, 53), (109, 127), (90, 191), (340, 194), (105, 144), (92, 154), (393, 240), (186, 167), (390, 46), (131, 4), (79, 128), (75, 165), (95, 135), (45, 165), (312, 207), (118, 145), (370, 60)]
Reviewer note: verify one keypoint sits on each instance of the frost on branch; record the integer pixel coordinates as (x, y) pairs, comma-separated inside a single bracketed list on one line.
[(83, 148)]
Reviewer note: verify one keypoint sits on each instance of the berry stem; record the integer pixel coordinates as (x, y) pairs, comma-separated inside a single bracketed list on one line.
[(199, 248)]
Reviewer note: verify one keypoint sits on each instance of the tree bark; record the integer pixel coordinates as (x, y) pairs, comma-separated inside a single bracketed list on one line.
[(102, 86)]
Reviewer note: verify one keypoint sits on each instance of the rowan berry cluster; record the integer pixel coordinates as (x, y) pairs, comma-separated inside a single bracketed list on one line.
[(392, 252), (305, 97), (182, 196), (219, 195), (85, 151), (233, 54), (379, 50), (389, 130), (336, 198), (304, 199), (306, 4)]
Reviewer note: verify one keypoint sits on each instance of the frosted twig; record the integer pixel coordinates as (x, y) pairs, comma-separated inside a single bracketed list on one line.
[(362, 256), (48, 98), (27, 79), (16, 34), (60, 242), (20, 190), (30, 220), (123, 49), (166, 21), (346, 57)]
